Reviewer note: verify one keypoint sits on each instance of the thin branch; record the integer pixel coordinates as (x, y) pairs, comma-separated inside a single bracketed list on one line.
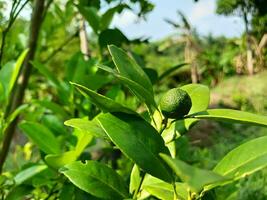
[(12, 17), (22, 82), (61, 47), (20, 9), (46, 8)]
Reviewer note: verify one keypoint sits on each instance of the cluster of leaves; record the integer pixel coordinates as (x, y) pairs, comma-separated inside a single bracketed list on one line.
[(112, 118), (143, 139)]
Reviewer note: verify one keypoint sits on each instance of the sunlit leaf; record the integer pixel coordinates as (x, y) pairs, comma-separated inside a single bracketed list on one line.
[(244, 160), (104, 103), (195, 178), (232, 116)]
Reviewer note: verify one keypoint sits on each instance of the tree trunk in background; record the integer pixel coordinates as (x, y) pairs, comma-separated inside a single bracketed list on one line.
[(18, 93), (190, 57), (250, 62), (83, 39), (250, 66), (194, 72)]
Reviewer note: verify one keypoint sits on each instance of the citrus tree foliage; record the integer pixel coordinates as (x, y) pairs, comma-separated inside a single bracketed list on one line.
[(95, 128)]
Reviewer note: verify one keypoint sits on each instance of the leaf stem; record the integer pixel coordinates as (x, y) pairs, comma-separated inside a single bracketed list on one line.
[(175, 196), (163, 125), (142, 174)]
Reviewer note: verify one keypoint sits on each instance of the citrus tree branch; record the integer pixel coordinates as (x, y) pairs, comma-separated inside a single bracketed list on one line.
[(19, 90)]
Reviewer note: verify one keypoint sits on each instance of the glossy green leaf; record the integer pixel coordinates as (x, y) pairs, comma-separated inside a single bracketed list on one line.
[(160, 190), (9, 74), (104, 103), (16, 69), (91, 15), (112, 36), (244, 160), (90, 127), (163, 190), (83, 140), (96, 179), (15, 114), (232, 116), (200, 96), (28, 173), (135, 179), (138, 140), (59, 160), (138, 90), (127, 67), (41, 136), (195, 178)]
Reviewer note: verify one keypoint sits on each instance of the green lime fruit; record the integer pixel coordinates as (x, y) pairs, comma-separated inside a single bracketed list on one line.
[(175, 103)]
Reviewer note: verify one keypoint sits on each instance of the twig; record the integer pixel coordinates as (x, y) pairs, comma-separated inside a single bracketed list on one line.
[(60, 48), (12, 17)]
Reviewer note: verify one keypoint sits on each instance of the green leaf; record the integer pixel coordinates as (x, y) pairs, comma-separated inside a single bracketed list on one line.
[(104, 103), (111, 36), (135, 179), (96, 81), (90, 14), (9, 74), (128, 68), (96, 179), (244, 160), (152, 74), (90, 127), (19, 192), (67, 192), (231, 116), (14, 115), (16, 69), (138, 140), (41, 136), (163, 190), (44, 71), (28, 173), (195, 178), (59, 160), (83, 140), (138, 90), (54, 107), (200, 96)]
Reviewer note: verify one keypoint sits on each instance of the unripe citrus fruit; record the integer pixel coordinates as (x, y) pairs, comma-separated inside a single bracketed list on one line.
[(175, 103)]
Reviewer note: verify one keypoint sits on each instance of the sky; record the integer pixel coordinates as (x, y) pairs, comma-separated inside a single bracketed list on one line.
[(201, 16)]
